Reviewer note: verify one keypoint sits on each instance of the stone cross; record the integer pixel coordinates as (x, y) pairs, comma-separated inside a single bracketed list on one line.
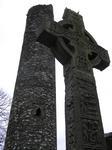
[(32, 123), (79, 53)]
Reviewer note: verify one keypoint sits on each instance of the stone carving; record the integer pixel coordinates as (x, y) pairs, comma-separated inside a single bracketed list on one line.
[(73, 46), (79, 53)]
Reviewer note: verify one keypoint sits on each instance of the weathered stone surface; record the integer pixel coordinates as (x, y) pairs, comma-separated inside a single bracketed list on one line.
[(33, 117), (83, 121), (79, 53), (32, 124), (84, 130)]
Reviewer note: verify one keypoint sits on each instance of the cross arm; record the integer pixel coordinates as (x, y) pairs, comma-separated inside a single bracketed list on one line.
[(52, 36), (58, 39), (98, 55)]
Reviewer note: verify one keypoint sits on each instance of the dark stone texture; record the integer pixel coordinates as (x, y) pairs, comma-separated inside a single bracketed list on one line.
[(83, 121), (79, 53), (84, 130), (108, 138), (32, 124)]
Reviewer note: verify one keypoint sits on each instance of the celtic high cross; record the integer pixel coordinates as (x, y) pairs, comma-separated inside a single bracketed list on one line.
[(79, 53), (32, 124)]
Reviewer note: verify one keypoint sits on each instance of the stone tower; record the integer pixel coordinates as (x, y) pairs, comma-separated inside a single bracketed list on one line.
[(32, 124)]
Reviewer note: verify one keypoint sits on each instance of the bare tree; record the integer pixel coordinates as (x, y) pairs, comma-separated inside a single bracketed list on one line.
[(5, 103)]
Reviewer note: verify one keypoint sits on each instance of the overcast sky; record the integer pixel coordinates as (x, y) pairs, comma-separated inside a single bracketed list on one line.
[(97, 15)]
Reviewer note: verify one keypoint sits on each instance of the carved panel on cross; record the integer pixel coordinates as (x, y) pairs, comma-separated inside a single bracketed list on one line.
[(90, 130)]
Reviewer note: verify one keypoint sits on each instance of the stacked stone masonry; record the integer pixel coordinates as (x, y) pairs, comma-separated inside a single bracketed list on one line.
[(32, 124)]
